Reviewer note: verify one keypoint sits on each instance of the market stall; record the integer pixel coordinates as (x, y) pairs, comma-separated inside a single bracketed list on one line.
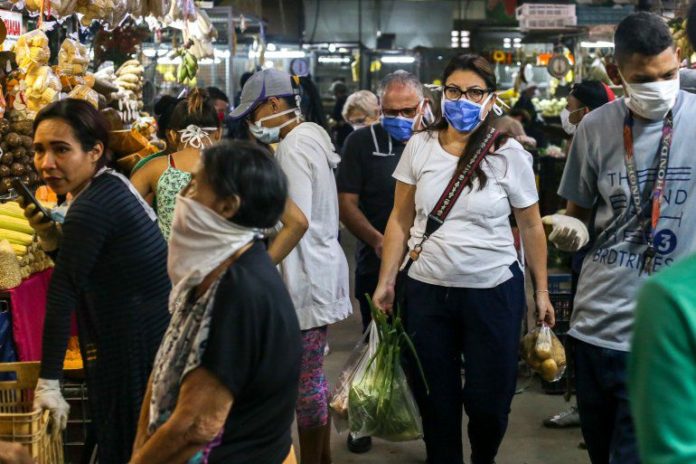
[(91, 51)]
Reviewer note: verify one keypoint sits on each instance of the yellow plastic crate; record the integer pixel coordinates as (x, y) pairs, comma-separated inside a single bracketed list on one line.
[(18, 422)]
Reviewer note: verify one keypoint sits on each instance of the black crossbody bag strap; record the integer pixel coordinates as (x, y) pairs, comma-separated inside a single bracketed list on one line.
[(444, 206)]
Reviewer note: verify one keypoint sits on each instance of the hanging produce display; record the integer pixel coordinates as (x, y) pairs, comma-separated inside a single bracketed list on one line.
[(188, 67), (677, 27)]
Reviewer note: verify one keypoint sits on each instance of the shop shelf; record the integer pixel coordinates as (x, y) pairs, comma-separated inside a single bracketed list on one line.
[(560, 283), (550, 23), (563, 305), (76, 436), (592, 15), (544, 10), (19, 422)]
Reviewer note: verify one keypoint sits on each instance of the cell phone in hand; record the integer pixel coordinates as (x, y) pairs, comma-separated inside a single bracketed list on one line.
[(29, 197)]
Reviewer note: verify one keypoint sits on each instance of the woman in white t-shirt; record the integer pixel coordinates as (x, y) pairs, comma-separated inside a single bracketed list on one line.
[(465, 293)]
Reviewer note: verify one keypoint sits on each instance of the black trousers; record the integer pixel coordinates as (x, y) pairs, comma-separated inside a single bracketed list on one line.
[(605, 413), (483, 326)]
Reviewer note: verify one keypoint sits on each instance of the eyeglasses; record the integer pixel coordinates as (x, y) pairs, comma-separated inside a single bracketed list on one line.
[(405, 112), (474, 94), (356, 121)]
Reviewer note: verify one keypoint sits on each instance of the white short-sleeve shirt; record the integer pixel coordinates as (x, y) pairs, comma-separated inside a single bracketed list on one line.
[(474, 247)]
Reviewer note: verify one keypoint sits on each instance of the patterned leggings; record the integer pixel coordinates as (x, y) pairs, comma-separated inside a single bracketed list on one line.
[(313, 401)]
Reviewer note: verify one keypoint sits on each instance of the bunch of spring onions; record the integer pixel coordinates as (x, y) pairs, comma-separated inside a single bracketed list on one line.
[(380, 402)]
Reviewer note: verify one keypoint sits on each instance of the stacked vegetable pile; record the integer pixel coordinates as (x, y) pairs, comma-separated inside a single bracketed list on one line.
[(20, 253), (380, 402), (550, 107), (544, 353)]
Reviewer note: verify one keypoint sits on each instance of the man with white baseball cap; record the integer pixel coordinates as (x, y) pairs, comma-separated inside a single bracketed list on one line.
[(316, 271)]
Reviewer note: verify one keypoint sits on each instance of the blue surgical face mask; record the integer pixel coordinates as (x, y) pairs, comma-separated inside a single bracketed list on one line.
[(399, 127), (464, 115)]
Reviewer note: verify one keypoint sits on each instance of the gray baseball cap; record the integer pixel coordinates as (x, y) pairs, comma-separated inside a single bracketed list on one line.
[(259, 87)]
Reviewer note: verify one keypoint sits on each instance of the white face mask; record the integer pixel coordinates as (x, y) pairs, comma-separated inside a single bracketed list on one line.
[(652, 100), (568, 126), (270, 135), (201, 239)]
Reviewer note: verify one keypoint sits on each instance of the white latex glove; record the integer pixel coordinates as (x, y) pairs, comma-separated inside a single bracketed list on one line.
[(48, 396), (526, 141), (568, 233)]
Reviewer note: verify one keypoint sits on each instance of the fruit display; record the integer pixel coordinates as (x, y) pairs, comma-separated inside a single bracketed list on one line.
[(544, 353), (19, 237), (43, 87), (550, 107), (147, 127), (677, 27), (199, 35), (92, 10), (82, 92), (58, 8), (188, 68), (128, 99), (73, 58), (31, 50)]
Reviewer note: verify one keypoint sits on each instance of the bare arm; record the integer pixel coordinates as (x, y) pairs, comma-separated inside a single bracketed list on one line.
[(144, 179), (200, 413), (395, 242), (295, 225), (534, 239), (14, 453), (578, 212), (142, 435), (357, 223)]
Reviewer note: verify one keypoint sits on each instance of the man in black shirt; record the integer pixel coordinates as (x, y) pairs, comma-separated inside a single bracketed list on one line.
[(366, 186)]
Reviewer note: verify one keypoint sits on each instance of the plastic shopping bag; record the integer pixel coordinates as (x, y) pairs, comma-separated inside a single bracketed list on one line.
[(544, 353), (380, 401), (338, 407)]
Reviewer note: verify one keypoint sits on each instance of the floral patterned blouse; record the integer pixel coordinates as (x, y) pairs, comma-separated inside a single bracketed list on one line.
[(171, 182)]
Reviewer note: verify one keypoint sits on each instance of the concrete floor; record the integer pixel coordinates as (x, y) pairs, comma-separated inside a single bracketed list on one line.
[(526, 442)]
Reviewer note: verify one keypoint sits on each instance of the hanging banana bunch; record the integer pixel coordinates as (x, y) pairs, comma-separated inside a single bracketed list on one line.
[(188, 68)]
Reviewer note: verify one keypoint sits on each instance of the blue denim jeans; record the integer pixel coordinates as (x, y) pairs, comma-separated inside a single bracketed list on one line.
[(605, 414)]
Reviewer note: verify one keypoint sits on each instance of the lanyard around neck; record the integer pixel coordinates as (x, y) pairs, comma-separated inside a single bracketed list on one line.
[(660, 180), (374, 140)]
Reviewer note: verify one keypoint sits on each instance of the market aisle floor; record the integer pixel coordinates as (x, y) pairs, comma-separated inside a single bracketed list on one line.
[(526, 442)]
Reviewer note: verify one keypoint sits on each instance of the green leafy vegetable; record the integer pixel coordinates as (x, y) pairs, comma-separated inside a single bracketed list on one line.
[(380, 402)]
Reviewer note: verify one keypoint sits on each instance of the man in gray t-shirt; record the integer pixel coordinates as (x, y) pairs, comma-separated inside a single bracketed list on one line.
[(596, 185)]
